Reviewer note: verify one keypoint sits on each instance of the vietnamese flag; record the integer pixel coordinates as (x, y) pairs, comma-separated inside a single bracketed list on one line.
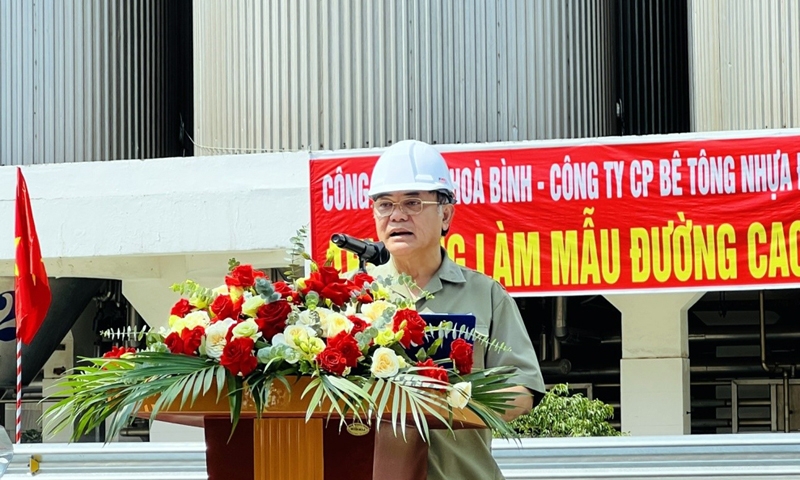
[(31, 289)]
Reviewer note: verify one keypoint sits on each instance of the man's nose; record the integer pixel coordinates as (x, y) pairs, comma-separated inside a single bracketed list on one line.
[(397, 214)]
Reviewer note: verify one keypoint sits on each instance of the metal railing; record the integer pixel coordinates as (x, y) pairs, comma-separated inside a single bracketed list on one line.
[(762, 456), (744, 456), (117, 461)]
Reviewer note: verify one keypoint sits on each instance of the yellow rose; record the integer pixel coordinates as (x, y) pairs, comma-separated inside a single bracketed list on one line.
[(248, 328), (332, 323), (385, 337), (252, 304), (198, 302), (197, 318), (294, 335), (385, 363), (373, 311), (173, 319), (236, 293), (314, 346)]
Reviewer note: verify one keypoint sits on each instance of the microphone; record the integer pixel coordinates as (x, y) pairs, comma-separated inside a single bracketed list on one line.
[(372, 252)]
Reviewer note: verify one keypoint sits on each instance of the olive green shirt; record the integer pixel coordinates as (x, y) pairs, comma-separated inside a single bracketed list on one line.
[(458, 289)]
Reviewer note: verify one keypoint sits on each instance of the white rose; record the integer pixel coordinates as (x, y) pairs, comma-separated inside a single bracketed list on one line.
[(293, 335), (215, 337), (373, 311), (333, 323), (248, 328), (221, 290), (252, 304), (197, 318), (459, 395), (384, 363), (306, 318)]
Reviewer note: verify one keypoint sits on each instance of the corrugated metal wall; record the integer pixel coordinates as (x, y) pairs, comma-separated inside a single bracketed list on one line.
[(745, 58), (334, 74), (653, 66), (82, 80)]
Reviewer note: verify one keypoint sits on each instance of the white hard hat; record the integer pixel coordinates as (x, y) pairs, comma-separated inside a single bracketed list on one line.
[(410, 165)]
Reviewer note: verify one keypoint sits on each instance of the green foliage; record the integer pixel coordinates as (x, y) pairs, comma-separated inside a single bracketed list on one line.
[(31, 436), (196, 292), (560, 414), (128, 333), (447, 329), (232, 263), (297, 254), (114, 390)]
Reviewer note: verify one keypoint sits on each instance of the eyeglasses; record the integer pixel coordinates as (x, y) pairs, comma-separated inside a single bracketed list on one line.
[(409, 206)]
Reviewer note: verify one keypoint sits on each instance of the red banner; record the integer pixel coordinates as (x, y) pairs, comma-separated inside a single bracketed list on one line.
[(690, 214)]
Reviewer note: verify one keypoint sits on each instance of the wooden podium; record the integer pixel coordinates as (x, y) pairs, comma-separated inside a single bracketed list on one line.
[(282, 445)]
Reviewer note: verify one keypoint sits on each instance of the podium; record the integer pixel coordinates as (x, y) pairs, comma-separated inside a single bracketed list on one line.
[(282, 445)]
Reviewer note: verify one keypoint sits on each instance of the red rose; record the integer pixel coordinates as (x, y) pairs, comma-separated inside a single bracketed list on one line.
[(433, 371), (192, 339), (243, 276), (322, 277), (181, 308), (271, 318), (338, 293), (117, 352), (364, 298), (461, 354), (332, 360), (285, 291), (223, 307), (414, 331), (237, 356), (362, 278), (329, 275), (359, 325), (174, 342), (348, 346)]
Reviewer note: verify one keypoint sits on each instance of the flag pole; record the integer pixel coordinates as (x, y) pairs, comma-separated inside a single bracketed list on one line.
[(19, 392)]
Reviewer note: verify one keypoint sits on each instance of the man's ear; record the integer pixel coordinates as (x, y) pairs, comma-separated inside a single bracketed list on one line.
[(448, 212)]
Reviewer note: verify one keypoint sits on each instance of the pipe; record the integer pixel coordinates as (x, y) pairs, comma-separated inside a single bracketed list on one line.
[(557, 367), (786, 401), (762, 336), (543, 347), (561, 318), (556, 349), (696, 369), (721, 337), (133, 326)]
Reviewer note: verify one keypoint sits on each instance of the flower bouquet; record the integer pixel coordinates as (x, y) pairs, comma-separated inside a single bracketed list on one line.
[(358, 341)]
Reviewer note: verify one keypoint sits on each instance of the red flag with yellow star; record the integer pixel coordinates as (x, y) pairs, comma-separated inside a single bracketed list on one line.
[(31, 289)]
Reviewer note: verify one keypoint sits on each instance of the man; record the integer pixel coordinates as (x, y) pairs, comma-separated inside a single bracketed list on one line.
[(413, 207)]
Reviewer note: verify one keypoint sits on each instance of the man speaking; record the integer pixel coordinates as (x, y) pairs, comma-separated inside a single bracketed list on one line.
[(413, 206)]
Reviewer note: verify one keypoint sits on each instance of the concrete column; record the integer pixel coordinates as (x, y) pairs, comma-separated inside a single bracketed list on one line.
[(654, 370)]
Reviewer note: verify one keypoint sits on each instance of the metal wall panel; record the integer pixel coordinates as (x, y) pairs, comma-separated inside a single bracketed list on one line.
[(653, 66), (82, 80), (745, 64), (334, 74)]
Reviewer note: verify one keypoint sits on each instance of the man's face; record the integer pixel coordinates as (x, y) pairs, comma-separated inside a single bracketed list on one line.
[(405, 233)]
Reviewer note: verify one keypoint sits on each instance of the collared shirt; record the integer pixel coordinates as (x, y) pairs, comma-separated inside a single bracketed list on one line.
[(458, 289)]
